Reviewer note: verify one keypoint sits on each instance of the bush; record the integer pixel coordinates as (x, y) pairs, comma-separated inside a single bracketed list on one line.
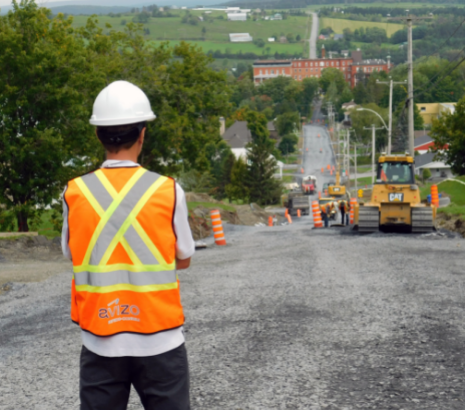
[(426, 174)]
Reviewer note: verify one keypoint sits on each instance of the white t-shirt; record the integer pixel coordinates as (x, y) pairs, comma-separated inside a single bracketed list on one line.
[(131, 344)]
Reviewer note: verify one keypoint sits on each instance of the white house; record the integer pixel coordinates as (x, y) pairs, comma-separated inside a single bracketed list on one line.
[(438, 169), (240, 37), (271, 40), (237, 16)]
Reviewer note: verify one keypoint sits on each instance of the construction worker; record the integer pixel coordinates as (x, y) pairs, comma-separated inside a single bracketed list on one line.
[(325, 213), (344, 209), (126, 231)]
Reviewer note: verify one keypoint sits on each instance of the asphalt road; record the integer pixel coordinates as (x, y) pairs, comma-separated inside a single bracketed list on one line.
[(314, 36), (281, 318)]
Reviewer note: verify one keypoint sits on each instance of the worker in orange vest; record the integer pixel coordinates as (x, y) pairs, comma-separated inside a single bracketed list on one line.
[(126, 231), (344, 208), (325, 213)]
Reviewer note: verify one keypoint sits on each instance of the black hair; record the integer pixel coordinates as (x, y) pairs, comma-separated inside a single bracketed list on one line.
[(119, 137)]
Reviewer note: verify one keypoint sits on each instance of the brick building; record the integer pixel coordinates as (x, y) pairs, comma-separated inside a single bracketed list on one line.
[(352, 67)]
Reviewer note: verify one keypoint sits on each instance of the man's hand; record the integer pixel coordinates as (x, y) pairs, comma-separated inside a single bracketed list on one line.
[(182, 263)]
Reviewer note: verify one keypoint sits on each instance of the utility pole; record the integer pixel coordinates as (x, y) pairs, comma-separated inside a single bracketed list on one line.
[(355, 160), (410, 19), (391, 84), (373, 148)]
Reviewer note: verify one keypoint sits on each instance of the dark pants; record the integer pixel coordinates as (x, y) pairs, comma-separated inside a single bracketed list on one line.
[(342, 214), (325, 219), (162, 381)]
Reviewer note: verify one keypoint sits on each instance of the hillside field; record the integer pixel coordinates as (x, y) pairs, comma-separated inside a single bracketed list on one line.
[(338, 25), (388, 6)]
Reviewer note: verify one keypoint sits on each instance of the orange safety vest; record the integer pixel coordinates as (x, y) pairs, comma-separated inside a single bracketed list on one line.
[(123, 247)]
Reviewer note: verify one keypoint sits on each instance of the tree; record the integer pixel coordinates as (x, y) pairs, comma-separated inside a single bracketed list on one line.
[(221, 161), (329, 75), (288, 143), (263, 187), (426, 174), (45, 81), (286, 123), (236, 189), (449, 131), (364, 119), (204, 30), (310, 88), (46, 139)]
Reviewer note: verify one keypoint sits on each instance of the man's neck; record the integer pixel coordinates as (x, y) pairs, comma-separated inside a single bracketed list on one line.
[(125, 155)]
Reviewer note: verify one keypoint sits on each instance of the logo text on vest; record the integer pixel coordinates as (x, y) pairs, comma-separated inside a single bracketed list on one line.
[(117, 313)]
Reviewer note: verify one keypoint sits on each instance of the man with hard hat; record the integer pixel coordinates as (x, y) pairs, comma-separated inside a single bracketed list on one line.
[(344, 209), (126, 231)]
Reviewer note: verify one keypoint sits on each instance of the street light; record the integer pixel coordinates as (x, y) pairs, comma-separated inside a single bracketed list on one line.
[(373, 139), (374, 112)]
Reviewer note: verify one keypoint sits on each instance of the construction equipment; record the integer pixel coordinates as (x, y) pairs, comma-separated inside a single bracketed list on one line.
[(295, 200), (337, 190), (395, 199), (309, 184)]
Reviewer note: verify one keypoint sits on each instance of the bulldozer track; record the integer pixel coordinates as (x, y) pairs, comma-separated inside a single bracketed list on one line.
[(368, 219), (422, 220)]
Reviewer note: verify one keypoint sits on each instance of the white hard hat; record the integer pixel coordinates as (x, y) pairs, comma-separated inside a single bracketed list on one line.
[(121, 103)]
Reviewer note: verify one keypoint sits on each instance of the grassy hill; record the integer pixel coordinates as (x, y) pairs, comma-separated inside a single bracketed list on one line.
[(338, 25), (88, 10), (217, 32)]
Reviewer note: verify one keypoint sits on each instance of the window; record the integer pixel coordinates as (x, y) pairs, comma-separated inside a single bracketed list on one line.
[(261, 72), (332, 63), (299, 64), (311, 64), (300, 78), (266, 72), (423, 108), (272, 71), (306, 64), (337, 63), (395, 172), (322, 64)]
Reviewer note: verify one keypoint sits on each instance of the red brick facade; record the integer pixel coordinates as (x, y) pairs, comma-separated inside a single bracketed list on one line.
[(307, 68)]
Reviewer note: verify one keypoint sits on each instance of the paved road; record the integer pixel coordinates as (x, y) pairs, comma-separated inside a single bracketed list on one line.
[(314, 36), (281, 318)]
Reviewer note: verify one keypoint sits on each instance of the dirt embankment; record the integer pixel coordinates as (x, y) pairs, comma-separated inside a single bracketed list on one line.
[(30, 259), (199, 217), (453, 223)]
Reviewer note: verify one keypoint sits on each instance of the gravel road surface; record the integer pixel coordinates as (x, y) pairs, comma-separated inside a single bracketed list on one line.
[(280, 318)]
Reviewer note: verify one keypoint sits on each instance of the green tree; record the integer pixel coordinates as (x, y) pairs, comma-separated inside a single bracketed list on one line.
[(330, 75), (288, 143), (449, 131), (221, 161), (263, 187), (364, 119), (236, 189), (309, 91), (45, 81), (286, 123)]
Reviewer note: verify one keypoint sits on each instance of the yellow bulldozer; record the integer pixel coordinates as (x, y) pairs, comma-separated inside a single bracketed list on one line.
[(395, 199), (338, 191)]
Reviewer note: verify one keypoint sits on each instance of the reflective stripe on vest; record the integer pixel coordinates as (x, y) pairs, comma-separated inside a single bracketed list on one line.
[(147, 283)]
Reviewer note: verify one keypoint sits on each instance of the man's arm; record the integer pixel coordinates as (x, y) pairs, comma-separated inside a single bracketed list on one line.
[(185, 246), (182, 263)]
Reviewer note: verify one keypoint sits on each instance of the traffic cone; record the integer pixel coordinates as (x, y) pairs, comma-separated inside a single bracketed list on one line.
[(307, 149), (286, 213), (301, 170), (434, 196), (317, 221), (322, 170), (217, 227), (319, 194), (353, 202), (318, 135), (298, 213), (289, 219), (270, 221), (331, 172), (329, 167)]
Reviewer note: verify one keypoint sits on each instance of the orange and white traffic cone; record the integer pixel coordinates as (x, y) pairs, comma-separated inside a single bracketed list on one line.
[(317, 221), (270, 221), (353, 202), (298, 213), (289, 219), (217, 227), (435, 196)]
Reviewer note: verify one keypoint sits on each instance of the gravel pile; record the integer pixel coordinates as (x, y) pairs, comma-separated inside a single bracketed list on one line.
[(280, 318)]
